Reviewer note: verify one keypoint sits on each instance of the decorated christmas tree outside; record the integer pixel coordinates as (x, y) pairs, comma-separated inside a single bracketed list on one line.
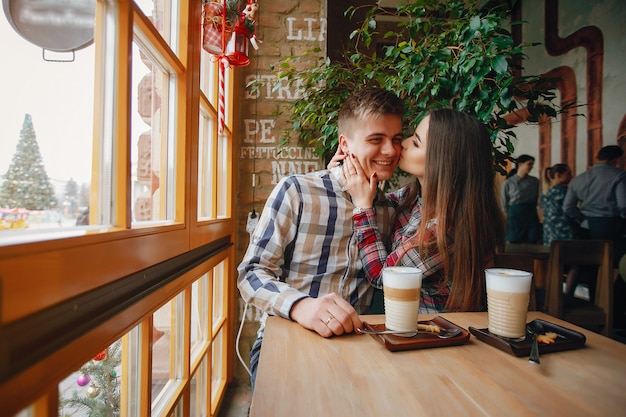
[(98, 387), (26, 184)]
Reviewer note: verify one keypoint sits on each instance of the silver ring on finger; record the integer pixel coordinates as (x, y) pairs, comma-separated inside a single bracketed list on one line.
[(328, 320)]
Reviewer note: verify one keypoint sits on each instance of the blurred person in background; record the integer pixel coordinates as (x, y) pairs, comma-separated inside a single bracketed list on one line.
[(556, 226), (596, 201), (519, 195)]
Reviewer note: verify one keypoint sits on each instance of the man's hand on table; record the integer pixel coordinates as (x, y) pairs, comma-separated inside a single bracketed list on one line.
[(328, 315)]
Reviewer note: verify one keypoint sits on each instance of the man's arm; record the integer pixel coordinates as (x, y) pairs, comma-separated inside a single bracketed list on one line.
[(327, 315), (261, 269), (262, 280), (538, 193), (570, 205)]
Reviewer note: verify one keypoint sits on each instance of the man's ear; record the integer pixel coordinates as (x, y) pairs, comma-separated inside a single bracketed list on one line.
[(343, 144)]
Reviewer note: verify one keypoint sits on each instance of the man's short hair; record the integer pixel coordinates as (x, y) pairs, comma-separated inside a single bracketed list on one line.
[(368, 103), (610, 152)]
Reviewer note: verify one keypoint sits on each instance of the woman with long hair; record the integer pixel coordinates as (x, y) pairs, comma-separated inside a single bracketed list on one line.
[(448, 222)]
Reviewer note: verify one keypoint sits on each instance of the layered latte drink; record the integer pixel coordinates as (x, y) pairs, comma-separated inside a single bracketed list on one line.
[(508, 294), (401, 287)]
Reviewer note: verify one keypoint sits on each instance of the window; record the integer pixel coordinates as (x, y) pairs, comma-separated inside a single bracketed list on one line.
[(147, 278), (152, 133), (207, 163), (162, 14), (46, 119)]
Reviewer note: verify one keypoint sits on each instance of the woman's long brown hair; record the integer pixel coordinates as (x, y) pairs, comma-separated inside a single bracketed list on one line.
[(460, 193)]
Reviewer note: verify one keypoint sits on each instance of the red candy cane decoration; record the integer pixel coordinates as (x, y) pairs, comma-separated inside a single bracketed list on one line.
[(221, 106), (237, 29)]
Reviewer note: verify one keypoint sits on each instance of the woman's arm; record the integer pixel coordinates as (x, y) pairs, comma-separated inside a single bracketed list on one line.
[(375, 256), (372, 250)]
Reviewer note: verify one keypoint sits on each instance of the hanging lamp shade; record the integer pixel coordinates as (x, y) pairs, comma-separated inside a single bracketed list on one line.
[(60, 26)]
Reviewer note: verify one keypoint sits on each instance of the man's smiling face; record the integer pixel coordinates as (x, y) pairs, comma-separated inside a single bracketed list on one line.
[(376, 143)]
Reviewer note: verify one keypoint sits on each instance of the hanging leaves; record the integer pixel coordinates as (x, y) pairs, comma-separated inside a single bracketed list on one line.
[(440, 54)]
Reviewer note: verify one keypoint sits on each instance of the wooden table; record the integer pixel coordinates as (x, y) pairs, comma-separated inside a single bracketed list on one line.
[(303, 374)]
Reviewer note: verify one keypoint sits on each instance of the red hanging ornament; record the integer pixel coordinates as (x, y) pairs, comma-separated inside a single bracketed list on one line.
[(227, 27), (100, 356), (237, 49), (212, 27)]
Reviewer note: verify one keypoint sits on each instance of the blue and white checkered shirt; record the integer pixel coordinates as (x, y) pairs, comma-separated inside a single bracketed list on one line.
[(303, 246)]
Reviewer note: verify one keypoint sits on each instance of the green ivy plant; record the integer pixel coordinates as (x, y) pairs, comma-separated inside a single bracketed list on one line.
[(442, 53)]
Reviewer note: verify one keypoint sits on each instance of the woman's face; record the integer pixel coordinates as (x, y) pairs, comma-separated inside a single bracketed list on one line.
[(413, 157), (563, 178)]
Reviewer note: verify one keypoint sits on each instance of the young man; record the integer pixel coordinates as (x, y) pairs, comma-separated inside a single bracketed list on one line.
[(519, 195), (596, 200), (301, 263)]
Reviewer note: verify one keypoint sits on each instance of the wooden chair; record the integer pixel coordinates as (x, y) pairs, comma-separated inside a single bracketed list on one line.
[(540, 254), (596, 314), (523, 262)]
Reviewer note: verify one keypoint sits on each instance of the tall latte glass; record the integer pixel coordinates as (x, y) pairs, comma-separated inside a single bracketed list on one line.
[(508, 294), (401, 288)]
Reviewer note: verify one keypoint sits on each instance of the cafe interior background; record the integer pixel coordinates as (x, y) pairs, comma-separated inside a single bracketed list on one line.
[(171, 153)]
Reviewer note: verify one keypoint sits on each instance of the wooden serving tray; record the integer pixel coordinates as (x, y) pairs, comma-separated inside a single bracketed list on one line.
[(567, 339), (421, 340)]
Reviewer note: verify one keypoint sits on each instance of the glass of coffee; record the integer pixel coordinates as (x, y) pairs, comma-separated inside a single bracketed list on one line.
[(508, 294), (401, 289)]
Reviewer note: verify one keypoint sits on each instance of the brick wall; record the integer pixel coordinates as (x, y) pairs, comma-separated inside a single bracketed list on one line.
[(285, 27)]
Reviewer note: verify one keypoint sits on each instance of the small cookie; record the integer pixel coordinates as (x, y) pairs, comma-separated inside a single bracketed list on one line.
[(432, 328), (547, 338)]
